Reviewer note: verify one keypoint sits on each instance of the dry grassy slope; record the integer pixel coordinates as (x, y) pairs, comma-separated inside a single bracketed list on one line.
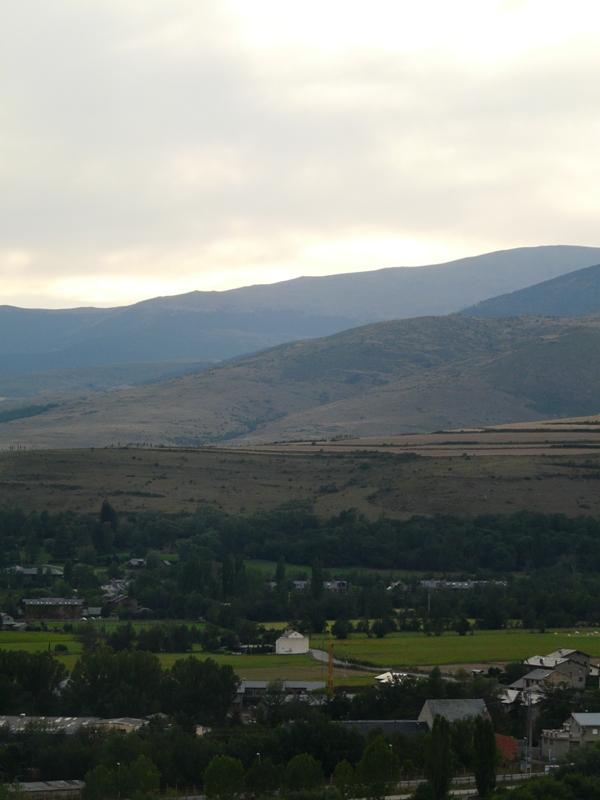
[(374, 483), (418, 374)]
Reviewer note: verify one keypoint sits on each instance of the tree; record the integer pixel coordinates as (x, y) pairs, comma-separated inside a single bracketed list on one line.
[(344, 779), (142, 777), (201, 691), (224, 777), (341, 628), (462, 626), (263, 777), (280, 574), (316, 580), (435, 684), (303, 771), (381, 627), (484, 756), (378, 767), (438, 765), (100, 784), (108, 515)]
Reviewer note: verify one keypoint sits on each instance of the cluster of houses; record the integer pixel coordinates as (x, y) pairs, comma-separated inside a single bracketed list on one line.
[(304, 585), (565, 668)]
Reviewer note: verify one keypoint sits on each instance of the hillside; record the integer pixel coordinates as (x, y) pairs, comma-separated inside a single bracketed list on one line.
[(408, 375), (482, 472), (211, 326), (576, 294)]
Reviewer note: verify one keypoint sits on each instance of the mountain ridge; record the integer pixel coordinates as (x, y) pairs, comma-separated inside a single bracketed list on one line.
[(212, 326), (407, 375), (572, 295)]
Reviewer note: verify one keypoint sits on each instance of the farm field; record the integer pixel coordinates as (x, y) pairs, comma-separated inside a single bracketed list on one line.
[(250, 667), (418, 650), (401, 478), (396, 650)]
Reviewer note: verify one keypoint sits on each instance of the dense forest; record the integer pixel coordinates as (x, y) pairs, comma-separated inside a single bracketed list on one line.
[(520, 542), (204, 566)]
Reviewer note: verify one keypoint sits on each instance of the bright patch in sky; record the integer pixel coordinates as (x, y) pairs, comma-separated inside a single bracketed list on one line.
[(155, 148)]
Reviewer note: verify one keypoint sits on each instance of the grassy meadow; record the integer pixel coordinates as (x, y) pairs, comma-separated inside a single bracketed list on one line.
[(250, 667), (414, 650), (418, 650)]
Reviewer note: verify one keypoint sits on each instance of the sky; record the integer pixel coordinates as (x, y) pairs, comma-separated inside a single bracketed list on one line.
[(155, 147)]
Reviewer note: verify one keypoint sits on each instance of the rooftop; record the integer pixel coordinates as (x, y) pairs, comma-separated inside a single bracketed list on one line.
[(587, 720), (52, 601), (454, 710)]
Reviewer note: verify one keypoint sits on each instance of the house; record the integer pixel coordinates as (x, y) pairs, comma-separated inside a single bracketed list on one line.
[(69, 725), (391, 677), (292, 643), (584, 728), (41, 570), (335, 586), (300, 586), (92, 611), (555, 743), (397, 586), (43, 790), (52, 607), (452, 710), (532, 680), (552, 660), (136, 563), (8, 623), (251, 692), (580, 729), (117, 587), (569, 673), (509, 696)]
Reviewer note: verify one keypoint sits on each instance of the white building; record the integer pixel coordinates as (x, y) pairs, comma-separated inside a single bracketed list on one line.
[(292, 643)]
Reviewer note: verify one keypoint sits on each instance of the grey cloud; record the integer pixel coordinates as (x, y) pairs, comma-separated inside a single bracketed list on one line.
[(154, 127)]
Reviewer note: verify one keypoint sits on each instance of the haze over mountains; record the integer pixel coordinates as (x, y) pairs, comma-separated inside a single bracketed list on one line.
[(203, 327), (417, 374), (576, 294), (409, 375)]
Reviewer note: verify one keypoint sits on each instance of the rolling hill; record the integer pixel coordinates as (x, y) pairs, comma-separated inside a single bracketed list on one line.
[(576, 294), (212, 326), (403, 376)]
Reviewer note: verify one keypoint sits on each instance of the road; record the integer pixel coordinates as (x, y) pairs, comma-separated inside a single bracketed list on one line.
[(323, 656)]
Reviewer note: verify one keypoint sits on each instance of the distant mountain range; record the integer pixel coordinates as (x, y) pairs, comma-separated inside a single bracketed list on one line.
[(576, 294), (409, 375), (212, 326)]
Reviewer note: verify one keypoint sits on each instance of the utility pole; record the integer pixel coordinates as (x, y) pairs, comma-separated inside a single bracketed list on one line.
[(330, 669)]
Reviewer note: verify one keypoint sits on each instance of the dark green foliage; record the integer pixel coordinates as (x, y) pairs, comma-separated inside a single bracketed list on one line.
[(29, 682), (224, 778), (378, 769), (199, 691), (438, 767), (484, 756), (344, 779), (263, 777), (341, 628), (138, 779), (303, 771)]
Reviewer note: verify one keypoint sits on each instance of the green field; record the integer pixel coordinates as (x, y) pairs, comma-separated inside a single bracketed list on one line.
[(397, 650), (417, 650), (251, 667)]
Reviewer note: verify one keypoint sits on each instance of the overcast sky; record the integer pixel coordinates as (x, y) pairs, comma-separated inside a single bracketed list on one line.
[(157, 146)]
